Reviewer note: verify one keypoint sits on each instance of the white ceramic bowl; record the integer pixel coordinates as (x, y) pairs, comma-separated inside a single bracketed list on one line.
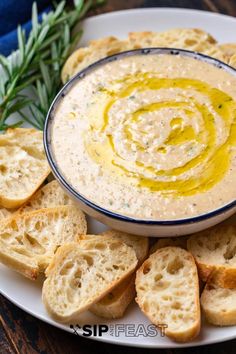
[(160, 228)]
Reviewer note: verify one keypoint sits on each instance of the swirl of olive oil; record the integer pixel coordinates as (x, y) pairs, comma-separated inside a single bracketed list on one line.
[(214, 159)]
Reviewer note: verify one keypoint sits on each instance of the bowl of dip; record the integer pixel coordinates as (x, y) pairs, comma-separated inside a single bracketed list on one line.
[(145, 141)]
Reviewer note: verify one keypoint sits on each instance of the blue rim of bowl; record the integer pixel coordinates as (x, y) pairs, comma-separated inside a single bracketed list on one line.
[(80, 75)]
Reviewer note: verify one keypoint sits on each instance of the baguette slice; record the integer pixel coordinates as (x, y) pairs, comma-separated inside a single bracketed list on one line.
[(219, 305), (168, 292), (28, 241), (215, 253), (49, 196), (186, 38), (175, 242), (23, 165), (169, 241), (82, 273), (115, 303)]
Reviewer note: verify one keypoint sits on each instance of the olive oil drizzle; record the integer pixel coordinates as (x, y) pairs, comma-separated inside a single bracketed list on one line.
[(212, 162)]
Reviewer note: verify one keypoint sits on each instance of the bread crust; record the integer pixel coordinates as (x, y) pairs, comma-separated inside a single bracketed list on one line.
[(224, 278)]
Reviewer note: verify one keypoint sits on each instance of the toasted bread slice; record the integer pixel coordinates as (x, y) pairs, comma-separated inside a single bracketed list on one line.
[(82, 273), (169, 241), (23, 165), (28, 241), (215, 253), (186, 38), (168, 292), (49, 196), (115, 303), (219, 305)]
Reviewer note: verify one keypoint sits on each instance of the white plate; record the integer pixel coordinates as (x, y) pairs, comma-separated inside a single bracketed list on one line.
[(27, 294)]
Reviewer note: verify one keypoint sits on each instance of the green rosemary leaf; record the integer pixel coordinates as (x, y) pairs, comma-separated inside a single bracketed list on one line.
[(29, 43), (38, 62), (41, 113), (55, 58), (42, 35), (78, 5), (87, 6), (36, 113), (2, 89), (18, 105), (5, 65), (21, 43), (41, 93), (34, 122), (15, 63), (27, 82), (66, 36), (59, 9), (50, 40), (46, 76), (35, 24)]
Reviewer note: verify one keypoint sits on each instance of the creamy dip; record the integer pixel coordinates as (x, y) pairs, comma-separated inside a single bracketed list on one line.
[(150, 137)]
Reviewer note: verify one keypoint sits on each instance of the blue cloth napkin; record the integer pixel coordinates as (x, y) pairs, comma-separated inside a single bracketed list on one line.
[(13, 13)]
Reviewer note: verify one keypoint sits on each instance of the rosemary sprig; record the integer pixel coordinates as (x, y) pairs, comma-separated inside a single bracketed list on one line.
[(38, 63)]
